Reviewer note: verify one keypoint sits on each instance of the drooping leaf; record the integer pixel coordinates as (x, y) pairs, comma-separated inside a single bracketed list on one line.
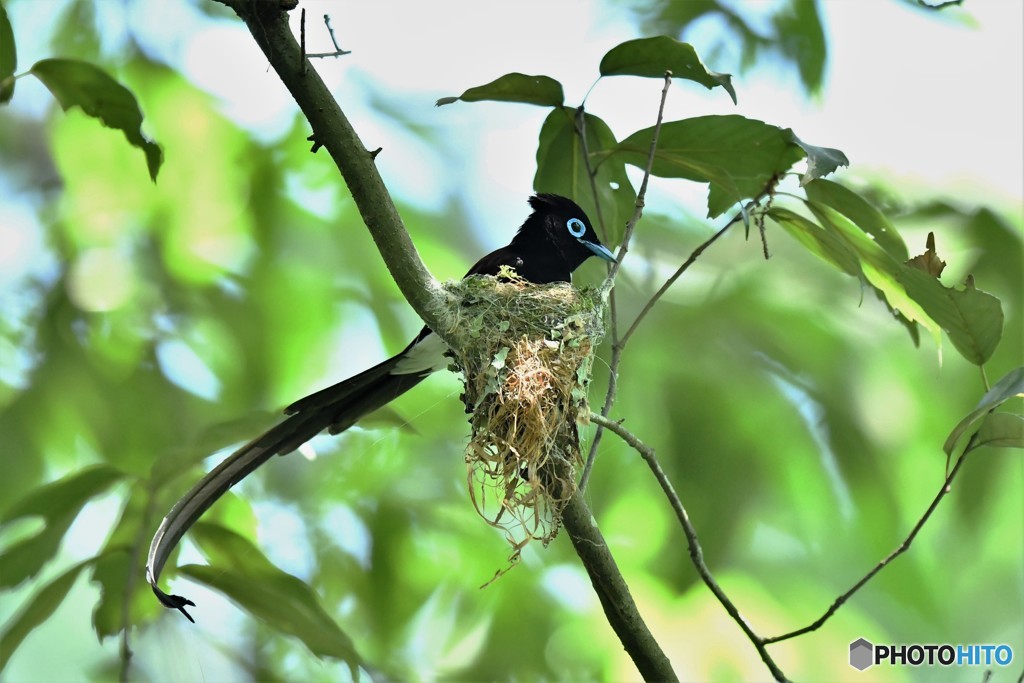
[(1009, 386), (562, 169), (818, 241), (40, 607), (8, 57), (737, 156), (240, 571), (515, 87), (821, 161), (75, 83), (878, 268), (652, 57), (1001, 430), (973, 319), (57, 503), (864, 215)]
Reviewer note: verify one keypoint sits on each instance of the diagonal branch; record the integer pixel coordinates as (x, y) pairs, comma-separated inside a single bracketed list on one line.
[(696, 552), (332, 130), (613, 592), (268, 23), (903, 547)]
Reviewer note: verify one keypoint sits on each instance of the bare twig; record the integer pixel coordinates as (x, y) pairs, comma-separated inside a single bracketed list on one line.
[(903, 547), (338, 52), (675, 276), (696, 552), (638, 210)]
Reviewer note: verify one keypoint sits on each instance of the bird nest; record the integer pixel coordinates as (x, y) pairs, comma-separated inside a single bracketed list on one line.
[(525, 352)]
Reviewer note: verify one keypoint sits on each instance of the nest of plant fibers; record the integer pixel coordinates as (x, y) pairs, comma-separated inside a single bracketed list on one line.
[(525, 352)]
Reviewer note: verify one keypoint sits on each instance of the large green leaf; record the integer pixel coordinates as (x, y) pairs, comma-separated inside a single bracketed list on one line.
[(239, 570), (973, 319), (652, 57), (515, 87), (1009, 386), (8, 57), (40, 607), (562, 169), (737, 156), (1001, 430), (864, 215), (57, 503), (75, 83)]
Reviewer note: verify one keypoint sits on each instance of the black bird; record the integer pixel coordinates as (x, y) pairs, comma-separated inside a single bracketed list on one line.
[(555, 239)]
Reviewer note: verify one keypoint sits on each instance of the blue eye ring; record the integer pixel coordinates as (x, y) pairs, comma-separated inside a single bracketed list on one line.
[(576, 227)]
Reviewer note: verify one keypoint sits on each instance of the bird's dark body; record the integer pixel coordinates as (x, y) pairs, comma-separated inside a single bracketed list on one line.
[(553, 241)]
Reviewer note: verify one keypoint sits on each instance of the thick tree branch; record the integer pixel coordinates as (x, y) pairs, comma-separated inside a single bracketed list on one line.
[(268, 24), (613, 592), (332, 130)]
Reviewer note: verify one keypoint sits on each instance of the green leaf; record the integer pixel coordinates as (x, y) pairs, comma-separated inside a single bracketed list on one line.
[(973, 319), (1010, 386), (802, 39), (652, 57), (514, 87), (864, 215), (737, 156), (877, 267), (115, 570), (74, 83), (821, 161), (240, 571), (58, 503), (818, 241), (562, 169), (64, 495), (1001, 430), (8, 57), (40, 607)]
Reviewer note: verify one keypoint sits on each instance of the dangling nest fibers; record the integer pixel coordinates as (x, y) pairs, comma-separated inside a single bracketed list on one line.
[(525, 352)]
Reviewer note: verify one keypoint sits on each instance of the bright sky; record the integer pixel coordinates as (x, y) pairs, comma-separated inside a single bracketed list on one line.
[(933, 100)]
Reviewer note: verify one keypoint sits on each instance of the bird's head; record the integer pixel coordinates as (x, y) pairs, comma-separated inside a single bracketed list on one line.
[(561, 223)]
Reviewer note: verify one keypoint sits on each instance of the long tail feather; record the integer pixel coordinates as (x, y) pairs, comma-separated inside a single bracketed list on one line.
[(336, 408)]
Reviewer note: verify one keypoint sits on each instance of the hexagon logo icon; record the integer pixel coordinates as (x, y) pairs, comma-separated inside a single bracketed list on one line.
[(861, 654)]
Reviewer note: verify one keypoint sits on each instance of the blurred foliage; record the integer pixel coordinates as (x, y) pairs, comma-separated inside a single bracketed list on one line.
[(790, 29), (800, 424)]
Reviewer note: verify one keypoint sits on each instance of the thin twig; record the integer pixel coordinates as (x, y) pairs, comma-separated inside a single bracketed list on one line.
[(338, 52), (638, 209), (616, 359), (903, 547), (675, 276), (581, 131), (696, 552)]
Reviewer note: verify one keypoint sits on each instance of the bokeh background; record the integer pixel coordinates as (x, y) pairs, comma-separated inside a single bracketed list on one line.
[(144, 324)]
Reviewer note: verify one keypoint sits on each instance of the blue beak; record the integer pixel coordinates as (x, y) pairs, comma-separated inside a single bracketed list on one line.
[(599, 250)]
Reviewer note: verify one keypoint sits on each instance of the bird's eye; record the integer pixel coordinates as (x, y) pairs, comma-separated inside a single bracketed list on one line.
[(576, 227)]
